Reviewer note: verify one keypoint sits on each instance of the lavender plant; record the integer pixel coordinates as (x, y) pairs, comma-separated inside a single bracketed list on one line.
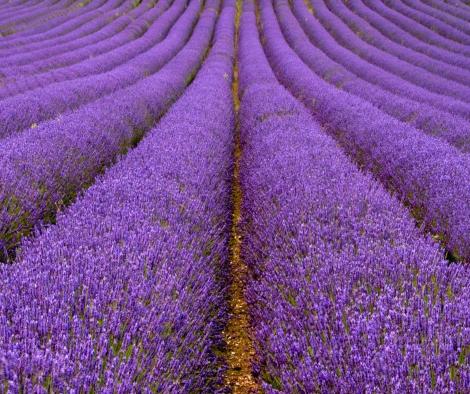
[(346, 294), (398, 154), (42, 169), (128, 289)]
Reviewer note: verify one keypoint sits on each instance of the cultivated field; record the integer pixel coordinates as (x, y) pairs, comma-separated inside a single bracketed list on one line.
[(247, 196)]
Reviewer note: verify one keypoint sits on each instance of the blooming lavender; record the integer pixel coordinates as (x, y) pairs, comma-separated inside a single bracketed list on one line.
[(415, 76), (438, 14), (129, 286), (401, 37), (445, 125), (106, 61), (374, 37), (416, 29), (43, 169), (435, 25), (52, 29), (347, 296), (437, 190), (105, 27), (21, 111), (32, 18)]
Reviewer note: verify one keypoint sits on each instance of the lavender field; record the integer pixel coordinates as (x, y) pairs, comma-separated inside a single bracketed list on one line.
[(235, 196)]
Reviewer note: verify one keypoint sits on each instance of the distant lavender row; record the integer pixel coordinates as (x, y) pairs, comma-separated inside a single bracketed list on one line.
[(89, 26), (43, 168), (108, 25), (123, 30), (371, 72), (30, 13), (130, 284), (42, 14), (106, 61), (21, 111), (50, 30), (404, 38), (416, 29), (374, 37), (443, 17), (453, 129), (346, 295), (450, 8), (415, 76), (431, 23), (427, 173)]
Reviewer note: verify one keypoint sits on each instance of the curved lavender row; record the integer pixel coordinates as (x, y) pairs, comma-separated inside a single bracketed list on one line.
[(51, 31), (22, 22), (404, 38), (43, 168), (109, 24), (370, 72), (346, 295), (105, 62), (451, 128), (417, 30), (9, 7), (449, 8), (20, 112), (427, 173), (90, 23), (28, 11), (137, 266), (443, 17), (433, 24), (59, 26), (374, 37), (416, 76), (121, 28)]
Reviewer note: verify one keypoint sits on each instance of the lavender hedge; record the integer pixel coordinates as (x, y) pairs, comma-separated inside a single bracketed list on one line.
[(416, 76), (430, 22), (43, 168), (449, 8), (106, 27), (51, 30), (427, 173), (129, 286), (19, 112), (451, 128), (374, 37), (401, 37), (346, 294), (107, 61), (35, 17), (416, 29), (443, 17)]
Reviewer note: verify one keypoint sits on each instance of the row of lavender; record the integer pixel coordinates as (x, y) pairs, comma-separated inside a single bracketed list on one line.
[(129, 287), (437, 191), (127, 291), (105, 74), (44, 167), (346, 293)]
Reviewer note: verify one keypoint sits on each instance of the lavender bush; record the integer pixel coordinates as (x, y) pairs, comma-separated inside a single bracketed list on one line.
[(401, 156), (105, 27), (452, 128), (415, 76), (129, 286), (21, 111), (346, 294), (146, 38), (374, 37), (401, 36), (43, 168)]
